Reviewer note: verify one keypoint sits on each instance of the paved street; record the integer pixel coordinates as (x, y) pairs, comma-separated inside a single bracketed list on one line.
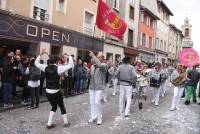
[(149, 120)]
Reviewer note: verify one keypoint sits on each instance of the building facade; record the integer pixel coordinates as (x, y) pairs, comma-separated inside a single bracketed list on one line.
[(56, 25), (162, 33), (147, 30)]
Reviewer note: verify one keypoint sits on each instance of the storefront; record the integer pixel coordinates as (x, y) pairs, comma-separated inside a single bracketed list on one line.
[(31, 36), (131, 53), (146, 56), (161, 56), (113, 53)]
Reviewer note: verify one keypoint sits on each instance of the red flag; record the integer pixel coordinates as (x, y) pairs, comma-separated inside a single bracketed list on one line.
[(109, 22)]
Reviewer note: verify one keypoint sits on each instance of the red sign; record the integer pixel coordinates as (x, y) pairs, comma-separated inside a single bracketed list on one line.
[(189, 57), (109, 22)]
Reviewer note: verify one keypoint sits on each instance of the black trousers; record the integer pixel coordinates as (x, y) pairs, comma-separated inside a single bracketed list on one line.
[(34, 93), (69, 85), (25, 93), (56, 100), (41, 85)]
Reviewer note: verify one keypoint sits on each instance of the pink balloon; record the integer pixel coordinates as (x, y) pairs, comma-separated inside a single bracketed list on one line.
[(188, 57)]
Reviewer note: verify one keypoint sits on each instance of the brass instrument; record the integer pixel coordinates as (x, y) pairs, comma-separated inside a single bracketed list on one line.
[(180, 79)]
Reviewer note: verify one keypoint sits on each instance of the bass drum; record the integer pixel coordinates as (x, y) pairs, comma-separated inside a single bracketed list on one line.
[(142, 81)]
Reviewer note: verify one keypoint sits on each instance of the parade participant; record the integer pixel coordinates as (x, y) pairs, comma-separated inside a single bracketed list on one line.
[(191, 86), (164, 76), (155, 81), (115, 81), (127, 76), (97, 85), (108, 80), (178, 79), (54, 96)]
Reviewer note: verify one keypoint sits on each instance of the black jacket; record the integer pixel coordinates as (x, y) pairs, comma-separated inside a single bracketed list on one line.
[(8, 73), (194, 77)]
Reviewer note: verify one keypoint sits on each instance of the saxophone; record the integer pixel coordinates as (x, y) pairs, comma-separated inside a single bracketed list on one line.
[(180, 79)]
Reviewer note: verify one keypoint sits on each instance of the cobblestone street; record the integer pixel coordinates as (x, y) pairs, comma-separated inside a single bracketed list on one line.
[(150, 120)]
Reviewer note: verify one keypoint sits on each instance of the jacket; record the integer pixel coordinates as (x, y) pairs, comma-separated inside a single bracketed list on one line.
[(8, 73), (98, 75), (126, 74)]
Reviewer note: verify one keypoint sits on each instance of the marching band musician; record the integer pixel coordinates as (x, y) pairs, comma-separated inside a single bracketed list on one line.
[(178, 79), (155, 81), (164, 76)]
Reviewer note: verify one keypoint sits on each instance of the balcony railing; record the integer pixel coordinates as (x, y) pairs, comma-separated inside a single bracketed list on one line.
[(40, 14)]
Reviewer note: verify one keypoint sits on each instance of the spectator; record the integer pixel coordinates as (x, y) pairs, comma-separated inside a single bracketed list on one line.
[(33, 83), (8, 80), (85, 76), (78, 73)]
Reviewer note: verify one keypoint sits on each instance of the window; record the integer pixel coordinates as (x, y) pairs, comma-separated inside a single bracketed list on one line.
[(117, 58), (147, 41), (40, 14), (157, 43), (130, 37), (0, 3), (41, 10), (151, 23), (148, 21), (143, 39), (116, 4), (165, 46), (61, 5), (142, 17), (109, 56), (150, 42), (131, 14), (56, 50), (187, 32), (161, 44), (89, 23)]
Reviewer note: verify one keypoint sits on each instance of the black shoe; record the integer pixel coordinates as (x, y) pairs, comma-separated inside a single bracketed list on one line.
[(51, 126), (126, 116), (195, 101), (187, 102)]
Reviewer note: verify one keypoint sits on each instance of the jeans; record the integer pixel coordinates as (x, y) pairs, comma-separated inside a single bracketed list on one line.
[(77, 83), (7, 91), (34, 92)]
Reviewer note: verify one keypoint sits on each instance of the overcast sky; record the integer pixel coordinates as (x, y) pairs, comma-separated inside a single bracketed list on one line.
[(183, 8)]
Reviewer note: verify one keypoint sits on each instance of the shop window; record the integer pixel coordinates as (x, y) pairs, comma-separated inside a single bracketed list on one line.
[(117, 58), (56, 50), (131, 13), (61, 5), (89, 23), (130, 37), (116, 4), (109, 56)]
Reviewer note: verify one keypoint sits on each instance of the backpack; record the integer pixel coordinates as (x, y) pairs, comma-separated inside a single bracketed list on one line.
[(35, 74)]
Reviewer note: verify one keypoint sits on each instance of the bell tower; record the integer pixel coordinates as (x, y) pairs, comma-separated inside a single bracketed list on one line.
[(187, 33)]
